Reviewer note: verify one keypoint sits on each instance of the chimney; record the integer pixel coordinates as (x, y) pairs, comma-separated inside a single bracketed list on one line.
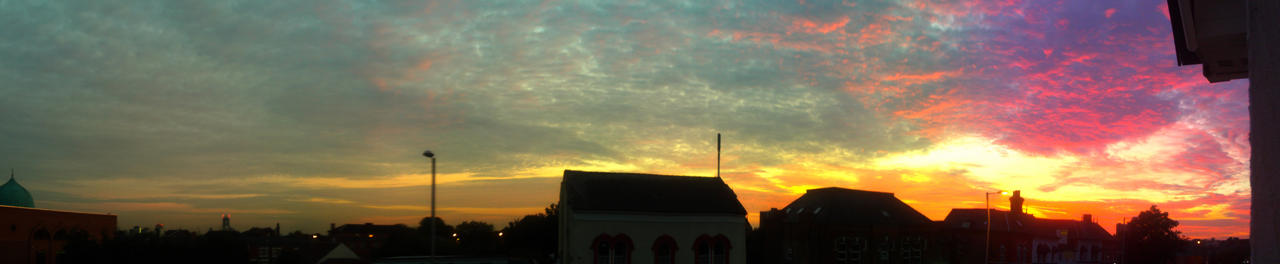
[(332, 226), (1015, 203), (1088, 218)]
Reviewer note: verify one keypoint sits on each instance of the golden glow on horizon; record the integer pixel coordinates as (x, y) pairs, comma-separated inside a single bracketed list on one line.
[(983, 159)]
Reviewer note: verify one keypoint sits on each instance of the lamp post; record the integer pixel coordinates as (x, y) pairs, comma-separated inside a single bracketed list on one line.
[(432, 156), (986, 253)]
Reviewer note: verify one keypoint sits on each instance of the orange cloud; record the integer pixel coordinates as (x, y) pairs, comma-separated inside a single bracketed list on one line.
[(817, 27)]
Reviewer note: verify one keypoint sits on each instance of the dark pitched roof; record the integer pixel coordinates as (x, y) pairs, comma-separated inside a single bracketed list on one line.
[(1024, 223), (369, 228), (840, 205), (634, 192), (1074, 228), (977, 218)]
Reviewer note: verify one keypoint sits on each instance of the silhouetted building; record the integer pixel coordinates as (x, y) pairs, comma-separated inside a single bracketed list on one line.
[(1017, 237), (837, 225), (644, 218), (365, 239), (32, 235), (451, 260), (268, 246), (1232, 250), (226, 222)]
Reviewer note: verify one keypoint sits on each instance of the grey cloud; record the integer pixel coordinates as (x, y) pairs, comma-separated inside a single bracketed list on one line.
[(190, 90)]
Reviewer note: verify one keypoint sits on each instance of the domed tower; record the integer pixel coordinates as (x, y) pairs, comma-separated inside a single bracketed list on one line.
[(13, 194)]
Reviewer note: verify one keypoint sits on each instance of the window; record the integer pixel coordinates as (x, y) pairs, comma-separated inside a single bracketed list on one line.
[(1083, 252), (718, 253), (612, 250), (711, 250), (1042, 253), (664, 250), (1097, 253), (849, 250), (1023, 255), (603, 252), (911, 249), (886, 246)]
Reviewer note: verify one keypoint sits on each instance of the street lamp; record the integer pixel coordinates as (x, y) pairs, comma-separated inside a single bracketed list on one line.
[(432, 156), (986, 254)]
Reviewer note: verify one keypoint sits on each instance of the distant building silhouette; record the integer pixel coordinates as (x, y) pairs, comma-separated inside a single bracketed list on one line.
[(226, 222), (838, 225), (615, 218), (365, 239), (1017, 237), (33, 235), (1231, 250)]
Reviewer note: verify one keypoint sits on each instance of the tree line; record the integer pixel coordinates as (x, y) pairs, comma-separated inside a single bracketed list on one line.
[(531, 237)]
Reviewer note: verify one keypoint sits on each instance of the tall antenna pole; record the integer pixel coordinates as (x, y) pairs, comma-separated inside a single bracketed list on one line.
[(717, 155)]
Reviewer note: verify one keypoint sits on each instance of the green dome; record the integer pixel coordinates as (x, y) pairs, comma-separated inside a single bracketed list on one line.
[(12, 194)]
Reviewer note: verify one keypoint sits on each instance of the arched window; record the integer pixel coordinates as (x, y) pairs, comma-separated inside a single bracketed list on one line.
[(664, 250), (612, 249), (711, 250)]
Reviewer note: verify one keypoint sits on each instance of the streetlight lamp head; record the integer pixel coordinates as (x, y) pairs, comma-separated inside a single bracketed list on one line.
[(428, 154)]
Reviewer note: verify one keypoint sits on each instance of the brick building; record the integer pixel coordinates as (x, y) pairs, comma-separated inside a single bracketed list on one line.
[(34, 235), (837, 225)]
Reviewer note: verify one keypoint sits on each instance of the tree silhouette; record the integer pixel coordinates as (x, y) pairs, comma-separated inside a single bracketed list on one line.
[(1150, 238), (445, 244), (404, 241), (534, 236), (476, 238)]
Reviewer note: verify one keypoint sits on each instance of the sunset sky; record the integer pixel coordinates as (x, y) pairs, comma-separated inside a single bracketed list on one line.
[(315, 112)]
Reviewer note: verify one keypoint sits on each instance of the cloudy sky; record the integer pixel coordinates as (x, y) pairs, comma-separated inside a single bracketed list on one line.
[(315, 112)]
